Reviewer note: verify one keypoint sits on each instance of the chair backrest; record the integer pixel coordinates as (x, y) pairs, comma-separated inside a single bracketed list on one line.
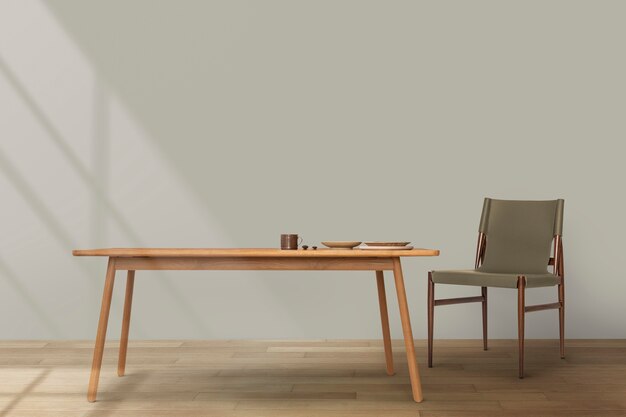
[(519, 234)]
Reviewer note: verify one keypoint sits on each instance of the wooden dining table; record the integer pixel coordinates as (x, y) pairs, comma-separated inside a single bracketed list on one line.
[(266, 259)]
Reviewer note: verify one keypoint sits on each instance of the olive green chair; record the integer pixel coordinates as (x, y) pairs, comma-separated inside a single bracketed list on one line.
[(517, 241)]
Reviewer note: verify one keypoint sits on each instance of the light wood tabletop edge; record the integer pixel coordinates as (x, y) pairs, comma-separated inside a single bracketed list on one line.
[(251, 252)]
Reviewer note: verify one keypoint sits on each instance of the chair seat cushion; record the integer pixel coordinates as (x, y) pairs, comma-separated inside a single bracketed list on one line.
[(490, 279)]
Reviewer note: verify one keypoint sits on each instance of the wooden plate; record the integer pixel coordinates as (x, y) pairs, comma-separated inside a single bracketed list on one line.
[(386, 247), (341, 244), (386, 243)]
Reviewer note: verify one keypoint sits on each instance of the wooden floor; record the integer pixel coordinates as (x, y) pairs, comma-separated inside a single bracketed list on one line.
[(313, 378)]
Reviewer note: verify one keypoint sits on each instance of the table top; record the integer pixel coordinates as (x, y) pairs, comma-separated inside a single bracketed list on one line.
[(251, 252)]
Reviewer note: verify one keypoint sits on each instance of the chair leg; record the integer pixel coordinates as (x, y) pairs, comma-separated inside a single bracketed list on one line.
[(562, 320), (431, 316), (484, 294), (521, 290)]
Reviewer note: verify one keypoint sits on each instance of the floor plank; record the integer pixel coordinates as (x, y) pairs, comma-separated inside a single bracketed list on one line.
[(312, 378)]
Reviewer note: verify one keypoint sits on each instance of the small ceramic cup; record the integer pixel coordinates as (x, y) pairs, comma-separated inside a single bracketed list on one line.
[(289, 241)]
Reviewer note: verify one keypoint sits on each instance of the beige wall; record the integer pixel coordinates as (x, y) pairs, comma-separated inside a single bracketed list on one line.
[(163, 123)]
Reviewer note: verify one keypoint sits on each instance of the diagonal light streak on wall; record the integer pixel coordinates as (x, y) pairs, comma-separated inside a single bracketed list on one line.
[(95, 186)]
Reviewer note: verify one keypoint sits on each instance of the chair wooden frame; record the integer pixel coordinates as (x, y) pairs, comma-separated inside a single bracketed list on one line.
[(558, 269)]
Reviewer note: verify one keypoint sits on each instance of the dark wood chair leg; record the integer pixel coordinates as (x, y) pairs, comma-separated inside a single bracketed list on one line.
[(521, 290), (562, 319), (484, 294), (431, 314)]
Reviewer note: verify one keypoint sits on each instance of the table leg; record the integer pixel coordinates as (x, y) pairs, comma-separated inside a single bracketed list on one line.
[(414, 373), (128, 302), (384, 318), (102, 331)]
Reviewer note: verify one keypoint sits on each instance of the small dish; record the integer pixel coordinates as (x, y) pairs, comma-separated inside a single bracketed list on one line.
[(386, 243), (341, 244), (386, 247)]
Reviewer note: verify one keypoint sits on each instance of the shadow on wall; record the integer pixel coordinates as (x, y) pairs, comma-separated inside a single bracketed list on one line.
[(259, 103), (273, 111), (93, 181), (14, 280), (103, 207), (94, 176), (267, 110)]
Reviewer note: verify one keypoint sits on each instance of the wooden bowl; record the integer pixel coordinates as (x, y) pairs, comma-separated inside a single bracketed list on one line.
[(341, 244)]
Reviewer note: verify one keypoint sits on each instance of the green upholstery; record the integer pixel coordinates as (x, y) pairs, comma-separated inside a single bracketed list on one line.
[(558, 220), (488, 279), (519, 237)]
